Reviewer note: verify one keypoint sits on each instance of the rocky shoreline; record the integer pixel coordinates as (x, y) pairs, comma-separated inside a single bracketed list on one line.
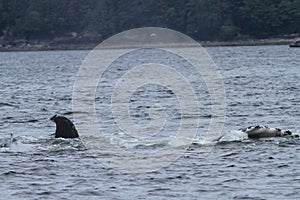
[(23, 45)]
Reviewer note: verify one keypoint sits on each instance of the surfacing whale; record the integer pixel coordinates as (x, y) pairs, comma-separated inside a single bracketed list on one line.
[(265, 132), (64, 127), (6, 142)]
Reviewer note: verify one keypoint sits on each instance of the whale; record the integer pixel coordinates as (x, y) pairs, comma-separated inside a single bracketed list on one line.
[(266, 132), (64, 127), (6, 142)]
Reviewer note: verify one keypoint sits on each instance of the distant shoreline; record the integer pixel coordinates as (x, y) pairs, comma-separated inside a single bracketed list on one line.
[(47, 46)]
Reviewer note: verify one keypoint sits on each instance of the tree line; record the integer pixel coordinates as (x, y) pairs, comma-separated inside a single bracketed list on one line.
[(200, 19)]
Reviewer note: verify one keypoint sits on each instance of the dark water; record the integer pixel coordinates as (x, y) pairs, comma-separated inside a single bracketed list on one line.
[(262, 87)]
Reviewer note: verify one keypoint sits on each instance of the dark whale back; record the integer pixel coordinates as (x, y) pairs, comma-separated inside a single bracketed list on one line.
[(64, 127)]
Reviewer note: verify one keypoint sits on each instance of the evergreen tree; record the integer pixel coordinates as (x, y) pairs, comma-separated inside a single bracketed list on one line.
[(201, 19)]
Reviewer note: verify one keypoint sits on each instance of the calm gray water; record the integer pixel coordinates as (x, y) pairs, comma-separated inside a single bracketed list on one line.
[(262, 87)]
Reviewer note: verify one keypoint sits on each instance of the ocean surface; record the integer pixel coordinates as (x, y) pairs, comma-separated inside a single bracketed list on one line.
[(262, 87)]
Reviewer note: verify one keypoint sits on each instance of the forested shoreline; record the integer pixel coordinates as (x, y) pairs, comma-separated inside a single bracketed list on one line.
[(91, 21)]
